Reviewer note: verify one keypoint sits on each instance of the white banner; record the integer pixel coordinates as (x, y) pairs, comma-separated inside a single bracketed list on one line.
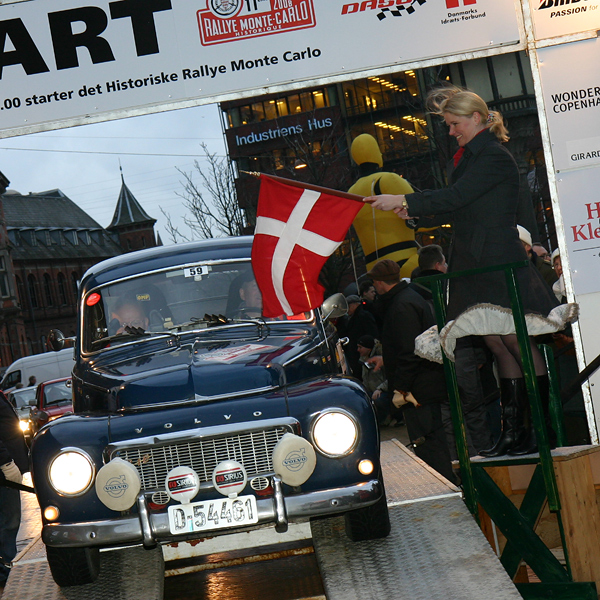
[(570, 75), (580, 211), (552, 18), (66, 59)]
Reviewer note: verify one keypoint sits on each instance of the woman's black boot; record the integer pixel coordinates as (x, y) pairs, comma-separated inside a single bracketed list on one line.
[(529, 444), (513, 431)]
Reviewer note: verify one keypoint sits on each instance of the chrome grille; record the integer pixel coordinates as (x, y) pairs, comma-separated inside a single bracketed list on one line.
[(252, 449)]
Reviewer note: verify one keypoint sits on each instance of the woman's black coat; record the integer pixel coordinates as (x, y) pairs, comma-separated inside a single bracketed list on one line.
[(481, 202)]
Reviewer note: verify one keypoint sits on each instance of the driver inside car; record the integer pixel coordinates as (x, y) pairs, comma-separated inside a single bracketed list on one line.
[(251, 305), (127, 313)]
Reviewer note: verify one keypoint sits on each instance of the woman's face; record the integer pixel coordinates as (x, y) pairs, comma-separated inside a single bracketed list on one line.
[(464, 129), (558, 266)]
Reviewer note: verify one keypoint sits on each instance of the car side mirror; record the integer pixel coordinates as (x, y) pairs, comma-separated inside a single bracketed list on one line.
[(334, 307), (43, 416), (57, 341)]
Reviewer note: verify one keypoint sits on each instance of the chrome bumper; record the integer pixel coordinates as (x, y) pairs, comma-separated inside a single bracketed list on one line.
[(153, 528)]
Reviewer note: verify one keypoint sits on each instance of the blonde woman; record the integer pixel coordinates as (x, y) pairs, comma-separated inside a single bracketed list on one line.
[(481, 203)]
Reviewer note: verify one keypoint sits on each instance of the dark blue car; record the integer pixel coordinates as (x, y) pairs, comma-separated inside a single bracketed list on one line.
[(195, 416)]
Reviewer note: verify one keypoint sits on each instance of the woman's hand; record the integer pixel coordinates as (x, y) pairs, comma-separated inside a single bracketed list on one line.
[(385, 201)]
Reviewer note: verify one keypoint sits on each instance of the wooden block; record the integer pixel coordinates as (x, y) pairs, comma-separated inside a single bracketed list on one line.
[(501, 477), (580, 517)]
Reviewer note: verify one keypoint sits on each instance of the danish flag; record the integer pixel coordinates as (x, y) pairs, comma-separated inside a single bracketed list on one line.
[(456, 4), (297, 229)]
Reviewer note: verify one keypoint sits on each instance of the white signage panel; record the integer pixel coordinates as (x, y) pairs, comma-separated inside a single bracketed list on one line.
[(552, 18), (580, 210), (65, 59), (570, 78)]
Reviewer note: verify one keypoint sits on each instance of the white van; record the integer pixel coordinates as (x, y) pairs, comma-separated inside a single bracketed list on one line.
[(49, 365)]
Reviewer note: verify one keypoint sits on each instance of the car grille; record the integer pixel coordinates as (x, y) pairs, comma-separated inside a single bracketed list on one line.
[(252, 449)]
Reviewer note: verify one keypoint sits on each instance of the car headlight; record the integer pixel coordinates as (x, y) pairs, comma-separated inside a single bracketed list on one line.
[(335, 433), (71, 473), (24, 425)]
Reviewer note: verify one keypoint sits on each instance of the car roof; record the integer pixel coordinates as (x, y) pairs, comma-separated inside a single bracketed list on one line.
[(161, 257), (60, 380), (29, 388)]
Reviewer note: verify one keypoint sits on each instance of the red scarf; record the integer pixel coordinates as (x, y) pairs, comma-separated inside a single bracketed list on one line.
[(458, 155)]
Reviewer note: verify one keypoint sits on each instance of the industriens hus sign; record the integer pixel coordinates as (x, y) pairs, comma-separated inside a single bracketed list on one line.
[(71, 61)]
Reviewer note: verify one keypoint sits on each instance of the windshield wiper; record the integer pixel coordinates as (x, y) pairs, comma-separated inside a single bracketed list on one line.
[(211, 321), (208, 321), (127, 334)]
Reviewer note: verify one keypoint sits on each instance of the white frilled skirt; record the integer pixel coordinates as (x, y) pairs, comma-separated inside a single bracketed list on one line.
[(489, 319)]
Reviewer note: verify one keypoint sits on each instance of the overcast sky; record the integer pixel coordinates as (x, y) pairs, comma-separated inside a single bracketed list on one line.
[(83, 161)]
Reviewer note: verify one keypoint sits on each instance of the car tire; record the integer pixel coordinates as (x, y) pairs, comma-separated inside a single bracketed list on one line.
[(73, 566), (369, 523)]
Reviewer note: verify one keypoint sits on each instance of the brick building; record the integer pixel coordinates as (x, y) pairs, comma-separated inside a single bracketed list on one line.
[(46, 244)]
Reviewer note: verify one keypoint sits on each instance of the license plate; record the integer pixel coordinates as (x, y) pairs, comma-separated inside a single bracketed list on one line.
[(213, 514)]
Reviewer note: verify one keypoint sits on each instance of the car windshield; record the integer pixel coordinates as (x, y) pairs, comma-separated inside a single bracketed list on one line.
[(58, 393), (21, 398), (174, 300)]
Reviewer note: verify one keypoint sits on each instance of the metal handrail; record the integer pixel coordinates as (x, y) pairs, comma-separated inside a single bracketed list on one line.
[(528, 372)]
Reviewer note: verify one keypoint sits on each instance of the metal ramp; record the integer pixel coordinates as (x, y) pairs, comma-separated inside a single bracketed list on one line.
[(128, 574), (435, 549)]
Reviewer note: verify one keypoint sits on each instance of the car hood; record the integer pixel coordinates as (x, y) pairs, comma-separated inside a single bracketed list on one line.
[(201, 370)]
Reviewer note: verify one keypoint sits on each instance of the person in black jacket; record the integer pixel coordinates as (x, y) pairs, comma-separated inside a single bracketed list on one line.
[(482, 201), (357, 323), (405, 316), (469, 359), (14, 462)]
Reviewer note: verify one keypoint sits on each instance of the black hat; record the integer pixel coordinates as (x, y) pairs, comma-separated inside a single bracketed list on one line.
[(366, 341)]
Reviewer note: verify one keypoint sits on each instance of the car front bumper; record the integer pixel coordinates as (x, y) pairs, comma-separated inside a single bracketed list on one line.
[(153, 528)]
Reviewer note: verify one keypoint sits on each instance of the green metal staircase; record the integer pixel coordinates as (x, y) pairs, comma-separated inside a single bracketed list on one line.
[(516, 524)]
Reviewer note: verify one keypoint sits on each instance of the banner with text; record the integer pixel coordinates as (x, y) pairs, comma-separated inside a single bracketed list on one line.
[(580, 211), (552, 18), (68, 59), (571, 91)]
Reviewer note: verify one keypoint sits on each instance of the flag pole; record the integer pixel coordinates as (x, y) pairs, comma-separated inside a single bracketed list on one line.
[(307, 186)]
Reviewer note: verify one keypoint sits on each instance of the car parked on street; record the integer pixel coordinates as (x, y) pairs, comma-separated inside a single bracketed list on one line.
[(194, 416), (53, 399)]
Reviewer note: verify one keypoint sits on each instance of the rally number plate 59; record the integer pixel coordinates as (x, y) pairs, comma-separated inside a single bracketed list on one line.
[(213, 514)]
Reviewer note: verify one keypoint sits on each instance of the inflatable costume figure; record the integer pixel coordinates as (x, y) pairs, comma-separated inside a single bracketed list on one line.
[(381, 234)]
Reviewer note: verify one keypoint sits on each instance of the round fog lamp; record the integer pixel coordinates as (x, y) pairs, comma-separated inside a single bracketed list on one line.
[(51, 513), (365, 467), (71, 472), (335, 433)]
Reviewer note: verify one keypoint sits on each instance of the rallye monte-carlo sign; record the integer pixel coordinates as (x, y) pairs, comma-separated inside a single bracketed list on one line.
[(64, 60)]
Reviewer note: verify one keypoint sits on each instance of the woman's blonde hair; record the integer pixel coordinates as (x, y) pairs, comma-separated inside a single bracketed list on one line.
[(463, 103)]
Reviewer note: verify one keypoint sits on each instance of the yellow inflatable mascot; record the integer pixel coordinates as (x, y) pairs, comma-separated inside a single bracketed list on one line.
[(382, 234)]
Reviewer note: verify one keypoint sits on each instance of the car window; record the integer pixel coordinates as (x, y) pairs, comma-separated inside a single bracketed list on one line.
[(11, 379), (21, 398), (172, 300), (57, 393)]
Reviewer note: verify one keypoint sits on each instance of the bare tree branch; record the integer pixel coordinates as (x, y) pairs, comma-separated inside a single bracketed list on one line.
[(211, 200)]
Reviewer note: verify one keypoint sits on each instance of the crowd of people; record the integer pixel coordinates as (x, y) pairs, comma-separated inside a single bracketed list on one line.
[(482, 202)]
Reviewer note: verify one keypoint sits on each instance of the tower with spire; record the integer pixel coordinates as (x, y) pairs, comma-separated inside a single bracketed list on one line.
[(130, 223)]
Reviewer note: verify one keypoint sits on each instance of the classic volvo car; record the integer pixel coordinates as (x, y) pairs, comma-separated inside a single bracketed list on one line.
[(194, 416)]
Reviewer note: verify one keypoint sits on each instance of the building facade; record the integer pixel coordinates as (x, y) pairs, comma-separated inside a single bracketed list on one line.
[(307, 134), (46, 244)]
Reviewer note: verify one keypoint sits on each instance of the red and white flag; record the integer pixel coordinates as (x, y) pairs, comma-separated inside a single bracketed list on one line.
[(297, 229)]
